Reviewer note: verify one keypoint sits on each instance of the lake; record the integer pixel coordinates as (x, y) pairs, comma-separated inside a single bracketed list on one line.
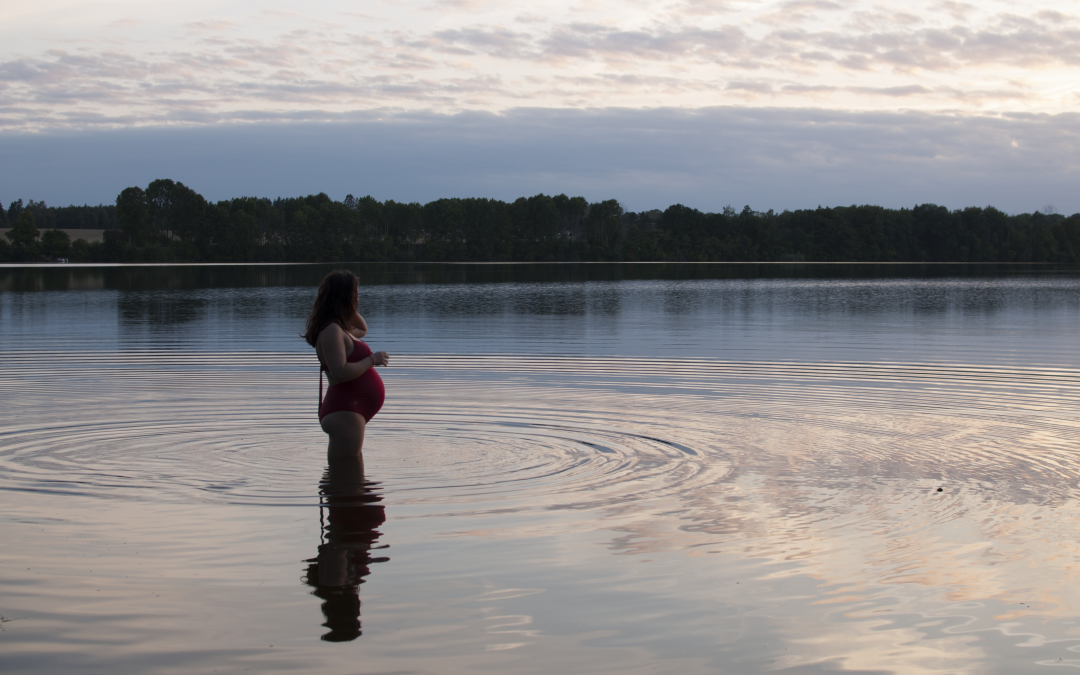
[(626, 468)]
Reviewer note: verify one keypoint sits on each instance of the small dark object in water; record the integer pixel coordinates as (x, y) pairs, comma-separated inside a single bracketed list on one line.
[(940, 490)]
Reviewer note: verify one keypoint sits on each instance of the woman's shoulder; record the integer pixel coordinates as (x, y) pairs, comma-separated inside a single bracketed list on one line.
[(331, 331)]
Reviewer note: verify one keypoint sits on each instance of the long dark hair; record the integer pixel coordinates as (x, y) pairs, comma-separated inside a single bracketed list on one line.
[(336, 303)]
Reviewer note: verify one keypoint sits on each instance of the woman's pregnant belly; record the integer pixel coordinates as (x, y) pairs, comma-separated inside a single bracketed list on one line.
[(363, 395)]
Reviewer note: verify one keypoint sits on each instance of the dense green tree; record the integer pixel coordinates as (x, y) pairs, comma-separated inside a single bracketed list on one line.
[(14, 209), (101, 217), (82, 251), (24, 233), (404, 234), (603, 222), (44, 217), (133, 216), (572, 210), (488, 233), (23, 236), (161, 202), (444, 230), (535, 226), (175, 209), (55, 243)]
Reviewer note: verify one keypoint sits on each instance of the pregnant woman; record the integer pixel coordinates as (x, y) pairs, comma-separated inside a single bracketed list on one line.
[(356, 392)]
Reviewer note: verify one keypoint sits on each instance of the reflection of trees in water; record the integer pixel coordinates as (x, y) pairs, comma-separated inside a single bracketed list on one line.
[(52, 279), (255, 275), (159, 309), (349, 515), (161, 297)]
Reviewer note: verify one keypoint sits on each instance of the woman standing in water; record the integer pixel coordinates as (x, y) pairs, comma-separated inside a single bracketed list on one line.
[(356, 392)]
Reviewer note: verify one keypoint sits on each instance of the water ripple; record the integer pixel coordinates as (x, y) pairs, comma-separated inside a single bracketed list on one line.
[(484, 430), (906, 493)]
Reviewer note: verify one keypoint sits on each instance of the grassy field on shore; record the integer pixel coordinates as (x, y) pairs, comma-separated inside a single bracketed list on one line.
[(88, 235)]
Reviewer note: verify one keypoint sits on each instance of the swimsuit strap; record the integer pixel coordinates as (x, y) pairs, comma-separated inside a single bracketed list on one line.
[(321, 366)]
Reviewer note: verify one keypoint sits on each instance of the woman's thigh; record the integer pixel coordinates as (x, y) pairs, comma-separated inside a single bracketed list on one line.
[(344, 424)]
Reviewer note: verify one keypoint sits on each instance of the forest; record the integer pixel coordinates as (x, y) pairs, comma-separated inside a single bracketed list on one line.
[(169, 222)]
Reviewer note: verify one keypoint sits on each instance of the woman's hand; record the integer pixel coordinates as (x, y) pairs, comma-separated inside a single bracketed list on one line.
[(358, 329), (380, 359)]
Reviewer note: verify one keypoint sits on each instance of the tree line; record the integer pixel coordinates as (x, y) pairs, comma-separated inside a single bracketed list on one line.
[(169, 222)]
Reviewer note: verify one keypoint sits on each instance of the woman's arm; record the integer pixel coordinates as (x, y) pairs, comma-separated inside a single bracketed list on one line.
[(332, 348), (358, 327)]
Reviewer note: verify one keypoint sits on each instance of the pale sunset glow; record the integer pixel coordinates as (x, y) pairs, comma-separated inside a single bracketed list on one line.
[(127, 63), (976, 92)]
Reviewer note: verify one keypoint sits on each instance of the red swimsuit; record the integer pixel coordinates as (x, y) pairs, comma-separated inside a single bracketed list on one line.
[(363, 395)]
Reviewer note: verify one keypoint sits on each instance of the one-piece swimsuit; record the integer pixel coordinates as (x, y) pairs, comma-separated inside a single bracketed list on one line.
[(363, 395)]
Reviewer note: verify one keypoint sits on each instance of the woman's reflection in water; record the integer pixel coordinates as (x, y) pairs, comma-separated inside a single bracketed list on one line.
[(349, 514)]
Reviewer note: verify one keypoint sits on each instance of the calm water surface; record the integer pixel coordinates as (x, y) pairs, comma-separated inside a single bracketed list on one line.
[(579, 468)]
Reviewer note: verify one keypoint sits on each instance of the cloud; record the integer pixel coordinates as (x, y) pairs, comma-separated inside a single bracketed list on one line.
[(798, 11), (594, 41), (854, 57), (496, 41), (638, 81), (704, 8), (1051, 16), (210, 26), (957, 10), (909, 90), (462, 5), (811, 5), (531, 18), (809, 88), (771, 157), (756, 87), (360, 15)]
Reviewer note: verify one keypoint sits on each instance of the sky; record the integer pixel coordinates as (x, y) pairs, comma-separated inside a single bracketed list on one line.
[(778, 105)]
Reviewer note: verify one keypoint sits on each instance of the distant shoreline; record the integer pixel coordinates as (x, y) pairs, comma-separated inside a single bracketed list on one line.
[(170, 223)]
